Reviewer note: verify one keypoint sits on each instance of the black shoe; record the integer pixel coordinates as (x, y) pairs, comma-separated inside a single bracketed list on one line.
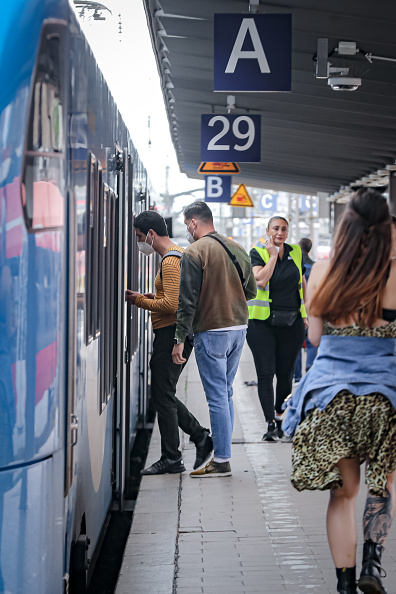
[(370, 577), (204, 449), (272, 432), (346, 583), (165, 466), (279, 428)]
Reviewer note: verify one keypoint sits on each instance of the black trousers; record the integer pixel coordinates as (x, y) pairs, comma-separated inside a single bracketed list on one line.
[(275, 351), (172, 413)]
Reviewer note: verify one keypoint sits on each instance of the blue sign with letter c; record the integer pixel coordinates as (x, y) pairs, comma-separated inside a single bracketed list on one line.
[(268, 201)]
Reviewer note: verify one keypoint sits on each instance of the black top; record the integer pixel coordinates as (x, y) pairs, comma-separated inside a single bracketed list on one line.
[(284, 281), (389, 314)]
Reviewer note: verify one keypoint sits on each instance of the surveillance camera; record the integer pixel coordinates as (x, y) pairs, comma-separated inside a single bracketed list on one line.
[(344, 83)]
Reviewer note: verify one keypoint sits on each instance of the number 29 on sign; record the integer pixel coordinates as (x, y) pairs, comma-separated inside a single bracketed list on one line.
[(229, 137)]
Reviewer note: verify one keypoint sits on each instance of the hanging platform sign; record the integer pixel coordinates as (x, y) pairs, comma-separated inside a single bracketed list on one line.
[(252, 52), (241, 197), (230, 138), (218, 188), (220, 168)]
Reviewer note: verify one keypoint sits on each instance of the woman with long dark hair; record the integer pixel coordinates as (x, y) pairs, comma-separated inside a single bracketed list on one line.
[(277, 320), (344, 409)]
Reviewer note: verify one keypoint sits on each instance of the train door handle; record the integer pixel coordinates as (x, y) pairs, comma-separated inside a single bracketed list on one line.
[(73, 430)]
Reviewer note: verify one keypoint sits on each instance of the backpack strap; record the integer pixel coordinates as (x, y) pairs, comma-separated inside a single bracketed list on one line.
[(170, 253)]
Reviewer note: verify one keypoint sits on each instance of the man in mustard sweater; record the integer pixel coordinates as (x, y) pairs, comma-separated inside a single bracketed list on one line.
[(152, 236)]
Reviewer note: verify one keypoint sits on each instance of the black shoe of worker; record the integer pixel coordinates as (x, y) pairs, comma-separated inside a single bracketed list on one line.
[(279, 428), (272, 432), (204, 449), (164, 466)]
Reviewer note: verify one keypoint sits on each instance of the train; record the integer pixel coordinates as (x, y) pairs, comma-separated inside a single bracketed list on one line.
[(74, 378)]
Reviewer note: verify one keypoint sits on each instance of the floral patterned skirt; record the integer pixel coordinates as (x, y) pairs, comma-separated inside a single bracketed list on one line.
[(350, 426)]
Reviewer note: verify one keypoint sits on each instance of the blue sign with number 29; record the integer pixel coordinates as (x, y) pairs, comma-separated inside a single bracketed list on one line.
[(230, 138)]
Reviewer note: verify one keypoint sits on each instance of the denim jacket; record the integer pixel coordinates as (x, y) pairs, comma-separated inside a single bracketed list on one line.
[(362, 365)]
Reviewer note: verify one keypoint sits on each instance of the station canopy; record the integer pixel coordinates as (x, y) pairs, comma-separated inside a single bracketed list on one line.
[(313, 138)]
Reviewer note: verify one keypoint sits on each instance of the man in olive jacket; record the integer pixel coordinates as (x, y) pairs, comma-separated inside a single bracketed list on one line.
[(216, 280)]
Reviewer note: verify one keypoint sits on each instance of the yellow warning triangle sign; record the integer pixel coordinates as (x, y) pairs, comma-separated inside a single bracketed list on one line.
[(241, 197), (219, 168)]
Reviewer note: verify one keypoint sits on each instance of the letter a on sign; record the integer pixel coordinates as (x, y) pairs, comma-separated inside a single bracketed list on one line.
[(252, 52), (239, 54)]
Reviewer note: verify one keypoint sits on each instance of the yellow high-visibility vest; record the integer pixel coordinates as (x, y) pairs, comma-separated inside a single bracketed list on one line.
[(259, 308)]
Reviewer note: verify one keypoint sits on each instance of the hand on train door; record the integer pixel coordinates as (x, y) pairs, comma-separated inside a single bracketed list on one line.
[(130, 296)]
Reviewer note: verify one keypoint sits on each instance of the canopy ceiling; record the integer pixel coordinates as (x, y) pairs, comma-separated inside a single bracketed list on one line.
[(313, 138)]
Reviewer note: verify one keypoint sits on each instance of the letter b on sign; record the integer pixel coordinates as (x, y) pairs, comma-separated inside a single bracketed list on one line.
[(217, 188)]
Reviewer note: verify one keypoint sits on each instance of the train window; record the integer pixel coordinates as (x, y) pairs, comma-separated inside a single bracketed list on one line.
[(93, 248), (108, 348), (97, 249), (133, 281), (43, 170), (133, 267)]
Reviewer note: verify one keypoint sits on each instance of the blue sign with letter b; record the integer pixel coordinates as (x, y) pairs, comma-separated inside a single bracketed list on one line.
[(217, 188)]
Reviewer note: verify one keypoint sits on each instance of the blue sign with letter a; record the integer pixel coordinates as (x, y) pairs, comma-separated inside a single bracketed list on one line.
[(252, 52), (229, 138), (217, 188)]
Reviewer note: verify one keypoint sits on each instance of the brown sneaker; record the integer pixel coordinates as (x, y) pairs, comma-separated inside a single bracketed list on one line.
[(212, 469)]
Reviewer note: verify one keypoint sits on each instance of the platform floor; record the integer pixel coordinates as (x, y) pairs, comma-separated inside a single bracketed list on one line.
[(251, 532)]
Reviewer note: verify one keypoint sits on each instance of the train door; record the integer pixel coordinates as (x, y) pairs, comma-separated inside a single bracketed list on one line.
[(132, 318), (122, 408), (145, 283)]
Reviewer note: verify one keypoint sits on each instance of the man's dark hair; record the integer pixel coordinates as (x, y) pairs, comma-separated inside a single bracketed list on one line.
[(198, 210), (305, 244), (150, 219)]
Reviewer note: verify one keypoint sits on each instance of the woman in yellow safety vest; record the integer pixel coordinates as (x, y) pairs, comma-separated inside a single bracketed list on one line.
[(277, 320)]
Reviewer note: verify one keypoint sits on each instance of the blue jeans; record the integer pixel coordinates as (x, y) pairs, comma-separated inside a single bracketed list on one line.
[(312, 351), (217, 355)]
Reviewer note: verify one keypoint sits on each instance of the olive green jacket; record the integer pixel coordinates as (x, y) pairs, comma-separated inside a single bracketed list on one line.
[(211, 295)]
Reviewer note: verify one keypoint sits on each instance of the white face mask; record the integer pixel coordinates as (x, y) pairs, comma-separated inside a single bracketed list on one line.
[(145, 248), (190, 237)]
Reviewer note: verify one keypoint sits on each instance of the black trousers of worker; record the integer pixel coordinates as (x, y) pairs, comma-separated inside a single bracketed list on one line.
[(275, 351), (172, 413)]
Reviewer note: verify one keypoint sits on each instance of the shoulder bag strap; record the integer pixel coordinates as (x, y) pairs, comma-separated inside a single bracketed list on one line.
[(233, 258)]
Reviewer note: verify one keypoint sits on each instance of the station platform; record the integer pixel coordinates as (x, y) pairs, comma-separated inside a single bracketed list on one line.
[(251, 532)]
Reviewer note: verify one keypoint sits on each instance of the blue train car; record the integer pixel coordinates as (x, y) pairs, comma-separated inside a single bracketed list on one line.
[(73, 356)]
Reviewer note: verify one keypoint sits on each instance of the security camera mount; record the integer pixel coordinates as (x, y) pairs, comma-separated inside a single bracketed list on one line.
[(340, 79)]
